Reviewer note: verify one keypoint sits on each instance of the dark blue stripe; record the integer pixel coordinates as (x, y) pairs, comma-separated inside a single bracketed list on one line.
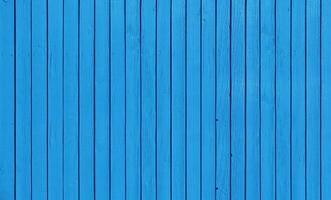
[(171, 100), (200, 99), (291, 99), (15, 100), (31, 76), (305, 99), (62, 100), (140, 94), (275, 93), (47, 117), (125, 90), (185, 99), (78, 99), (321, 153), (156, 82), (110, 93), (245, 106), (215, 114), (260, 110), (94, 188), (230, 91)]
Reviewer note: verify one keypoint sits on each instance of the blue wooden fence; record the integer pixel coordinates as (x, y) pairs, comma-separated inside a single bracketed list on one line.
[(165, 99)]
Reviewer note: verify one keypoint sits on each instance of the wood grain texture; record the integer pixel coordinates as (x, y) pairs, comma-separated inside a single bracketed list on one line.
[(165, 99)]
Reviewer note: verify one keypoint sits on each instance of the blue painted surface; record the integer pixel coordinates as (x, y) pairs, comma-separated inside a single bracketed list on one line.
[(173, 99)]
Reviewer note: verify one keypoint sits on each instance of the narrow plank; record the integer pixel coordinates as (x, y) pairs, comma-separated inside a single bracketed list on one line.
[(55, 99), (148, 98), (297, 99), (238, 168), (118, 100), (133, 120), (86, 99), (313, 99), (208, 99), (163, 93), (7, 99), (178, 99), (193, 99), (283, 100), (223, 100), (39, 100), (70, 93), (23, 99), (326, 96), (252, 100), (102, 100), (267, 89)]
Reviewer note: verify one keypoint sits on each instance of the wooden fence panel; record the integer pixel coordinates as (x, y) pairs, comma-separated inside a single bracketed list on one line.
[(172, 99)]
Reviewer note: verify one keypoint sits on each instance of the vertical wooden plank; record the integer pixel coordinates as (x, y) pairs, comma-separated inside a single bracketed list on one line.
[(163, 93), (298, 99), (55, 99), (313, 99), (7, 99), (70, 91), (118, 99), (178, 99), (39, 100), (102, 100), (238, 169), (283, 100), (267, 90), (86, 99), (208, 99), (193, 99), (23, 99), (252, 100), (326, 96), (223, 100), (133, 120), (148, 98)]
